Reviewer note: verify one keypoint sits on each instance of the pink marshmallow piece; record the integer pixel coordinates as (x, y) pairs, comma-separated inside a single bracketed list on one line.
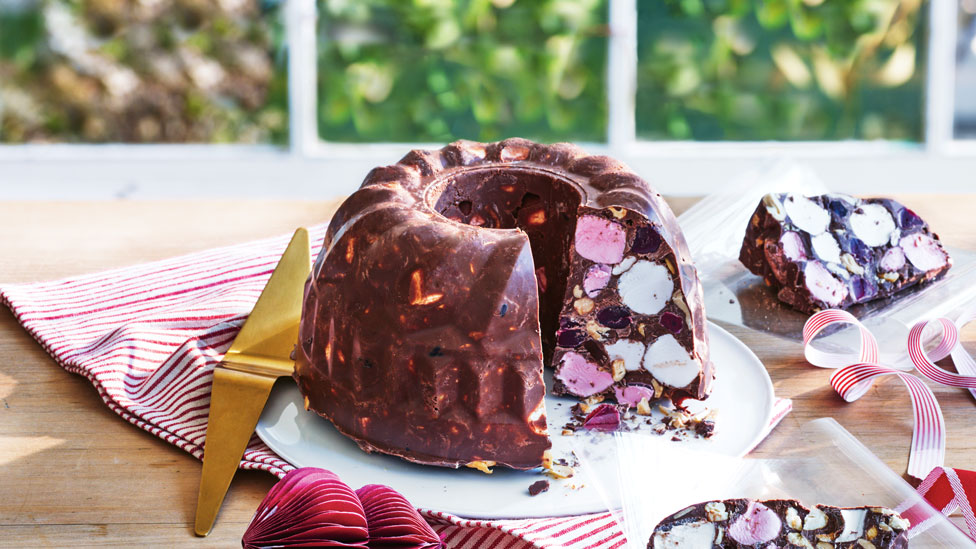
[(582, 377), (793, 246), (631, 395), (893, 260), (596, 279), (757, 525), (600, 240), (923, 252), (823, 285)]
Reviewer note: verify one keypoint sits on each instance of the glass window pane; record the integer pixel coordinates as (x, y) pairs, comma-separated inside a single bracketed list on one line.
[(965, 120), (433, 71), (152, 71), (781, 69)]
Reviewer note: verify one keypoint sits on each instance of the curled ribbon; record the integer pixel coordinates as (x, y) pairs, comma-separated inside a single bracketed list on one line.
[(856, 374)]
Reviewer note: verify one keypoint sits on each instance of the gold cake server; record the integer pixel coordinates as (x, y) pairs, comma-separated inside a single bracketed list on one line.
[(260, 354)]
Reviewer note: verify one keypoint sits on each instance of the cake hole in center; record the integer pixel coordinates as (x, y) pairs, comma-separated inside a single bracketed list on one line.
[(541, 204)]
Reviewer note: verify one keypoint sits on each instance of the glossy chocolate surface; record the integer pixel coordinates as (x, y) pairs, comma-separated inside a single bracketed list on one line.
[(420, 333)]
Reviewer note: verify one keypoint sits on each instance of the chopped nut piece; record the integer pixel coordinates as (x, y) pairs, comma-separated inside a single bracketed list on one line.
[(866, 544), (797, 540), (593, 400), (793, 519), (568, 432), (871, 533), (596, 331), (885, 527), (583, 305), (890, 277), (306, 404), (815, 520), (577, 291), (482, 465), (643, 407), (899, 523), (658, 388), (617, 211), (560, 471), (618, 369), (824, 545), (640, 328), (848, 261), (774, 207), (715, 511)]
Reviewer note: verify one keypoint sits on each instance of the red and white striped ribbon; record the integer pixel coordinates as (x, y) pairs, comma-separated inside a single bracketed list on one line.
[(947, 491), (856, 374)]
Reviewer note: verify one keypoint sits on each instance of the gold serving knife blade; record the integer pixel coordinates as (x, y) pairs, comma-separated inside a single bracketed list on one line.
[(260, 354)]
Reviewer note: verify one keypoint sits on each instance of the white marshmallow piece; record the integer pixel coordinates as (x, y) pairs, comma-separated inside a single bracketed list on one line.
[(631, 352), (806, 214), (670, 363), (682, 536), (873, 224), (645, 287), (624, 265), (826, 247), (853, 525)]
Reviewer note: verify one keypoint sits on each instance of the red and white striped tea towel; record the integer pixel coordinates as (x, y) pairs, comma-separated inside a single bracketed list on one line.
[(148, 337)]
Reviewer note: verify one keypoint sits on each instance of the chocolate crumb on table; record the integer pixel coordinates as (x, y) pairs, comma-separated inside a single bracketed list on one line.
[(538, 487)]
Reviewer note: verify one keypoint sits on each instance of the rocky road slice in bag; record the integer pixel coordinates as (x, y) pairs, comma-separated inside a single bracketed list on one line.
[(779, 523), (834, 250)]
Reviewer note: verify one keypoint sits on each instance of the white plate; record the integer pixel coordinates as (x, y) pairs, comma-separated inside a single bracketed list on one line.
[(742, 394)]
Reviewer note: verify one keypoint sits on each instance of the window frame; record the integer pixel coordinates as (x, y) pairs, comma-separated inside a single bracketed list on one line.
[(315, 168)]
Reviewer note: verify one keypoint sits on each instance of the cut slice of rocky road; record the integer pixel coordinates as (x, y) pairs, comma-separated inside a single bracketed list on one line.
[(627, 332), (779, 523), (833, 250)]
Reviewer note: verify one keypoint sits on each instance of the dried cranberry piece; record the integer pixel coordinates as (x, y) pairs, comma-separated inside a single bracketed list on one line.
[(671, 322), (646, 240), (838, 208), (861, 251), (908, 220), (570, 338), (605, 417), (614, 317)]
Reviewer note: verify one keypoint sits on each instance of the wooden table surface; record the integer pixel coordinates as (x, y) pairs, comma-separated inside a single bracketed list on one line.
[(74, 473)]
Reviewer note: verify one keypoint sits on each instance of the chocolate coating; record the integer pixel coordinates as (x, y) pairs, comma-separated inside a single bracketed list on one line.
[(439, 290)]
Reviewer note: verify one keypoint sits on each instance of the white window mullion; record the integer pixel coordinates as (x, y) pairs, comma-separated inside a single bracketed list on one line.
[(302, 76), (622, 75), (940, 90)]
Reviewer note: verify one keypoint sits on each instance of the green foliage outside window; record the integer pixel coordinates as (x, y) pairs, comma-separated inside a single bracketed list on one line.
[(781, 69), (437, 70), (149, 71)]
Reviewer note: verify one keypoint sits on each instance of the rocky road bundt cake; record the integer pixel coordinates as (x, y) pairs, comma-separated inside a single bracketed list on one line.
[(448, 279)]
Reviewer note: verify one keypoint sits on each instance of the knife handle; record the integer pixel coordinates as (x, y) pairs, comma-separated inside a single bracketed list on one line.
[(236, 401)]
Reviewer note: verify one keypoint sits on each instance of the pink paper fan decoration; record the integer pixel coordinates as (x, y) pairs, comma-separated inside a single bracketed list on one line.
[(309, 507), (393, 522)]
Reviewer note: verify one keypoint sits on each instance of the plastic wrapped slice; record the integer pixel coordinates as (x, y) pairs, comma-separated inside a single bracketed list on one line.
[(734, 523), (833, 250)]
